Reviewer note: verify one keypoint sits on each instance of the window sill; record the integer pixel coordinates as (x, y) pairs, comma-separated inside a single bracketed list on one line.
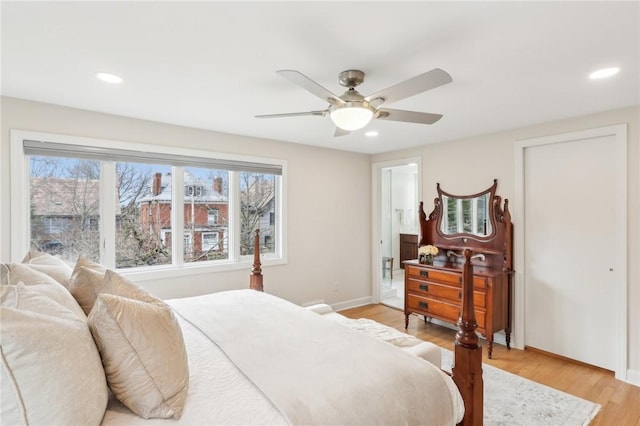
[(170, 271)]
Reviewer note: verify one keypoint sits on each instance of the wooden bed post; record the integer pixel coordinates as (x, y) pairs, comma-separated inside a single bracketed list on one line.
[(467, 361), (255, 279)]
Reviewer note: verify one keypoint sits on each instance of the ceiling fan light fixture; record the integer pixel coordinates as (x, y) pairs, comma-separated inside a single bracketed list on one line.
[(351, 118)]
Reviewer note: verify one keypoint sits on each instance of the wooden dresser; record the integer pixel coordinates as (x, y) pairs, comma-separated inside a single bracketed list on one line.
[(435, 291), (478, 223)]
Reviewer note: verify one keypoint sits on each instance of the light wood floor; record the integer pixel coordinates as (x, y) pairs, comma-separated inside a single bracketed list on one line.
[(620, 401)]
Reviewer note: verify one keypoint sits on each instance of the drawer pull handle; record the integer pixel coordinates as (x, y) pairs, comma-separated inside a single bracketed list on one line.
[(459, 295), (423, 273), (424, 287), (424, 305)]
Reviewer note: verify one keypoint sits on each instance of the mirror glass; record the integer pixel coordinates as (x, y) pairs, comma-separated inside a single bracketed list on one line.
[(466, 215)]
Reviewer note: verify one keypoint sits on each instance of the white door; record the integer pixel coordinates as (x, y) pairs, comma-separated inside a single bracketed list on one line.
[(570, 248)]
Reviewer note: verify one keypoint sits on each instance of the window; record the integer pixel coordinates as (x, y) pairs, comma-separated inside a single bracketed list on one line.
[(143, 214), (194, 191), (65, 205), (258, 193), (206, 210), (212, 217), (215, 203), (188, 243), (210, 241)]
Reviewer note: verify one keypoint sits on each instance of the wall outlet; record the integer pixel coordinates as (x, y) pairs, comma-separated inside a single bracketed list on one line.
[(335, 286)]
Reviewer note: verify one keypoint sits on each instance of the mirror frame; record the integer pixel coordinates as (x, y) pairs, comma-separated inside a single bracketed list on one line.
[(490, 213), (495, 248)]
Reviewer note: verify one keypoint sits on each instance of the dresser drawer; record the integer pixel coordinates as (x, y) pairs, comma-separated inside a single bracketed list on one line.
[(427, 288), (444, 277), (435, 275), (449, 312), (433, 308), (439, 291)]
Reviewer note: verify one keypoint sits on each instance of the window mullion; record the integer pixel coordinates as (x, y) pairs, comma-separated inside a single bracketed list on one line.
[(177, 215), (277, 226), (109, 195), (234, 217)]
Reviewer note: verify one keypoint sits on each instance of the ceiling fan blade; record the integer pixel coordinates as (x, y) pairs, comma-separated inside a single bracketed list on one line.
[(311, 86), (407, 116), (293, 114), (340, 132), (418, 84)]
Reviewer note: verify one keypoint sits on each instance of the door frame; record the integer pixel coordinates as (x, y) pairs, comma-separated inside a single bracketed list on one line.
[(376, 222), (619, 133)]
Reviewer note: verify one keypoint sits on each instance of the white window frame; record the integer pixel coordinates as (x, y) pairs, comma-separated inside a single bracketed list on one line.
[(20, 198), (214, 235)]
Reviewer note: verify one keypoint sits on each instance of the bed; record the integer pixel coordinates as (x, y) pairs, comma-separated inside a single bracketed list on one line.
[(230, 358)]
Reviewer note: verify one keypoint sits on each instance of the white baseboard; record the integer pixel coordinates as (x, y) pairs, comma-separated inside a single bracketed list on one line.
[(354, 303), (633, 377), (313, 302)]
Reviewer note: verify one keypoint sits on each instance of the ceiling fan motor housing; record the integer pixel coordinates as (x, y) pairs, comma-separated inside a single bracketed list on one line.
[(351, 78)]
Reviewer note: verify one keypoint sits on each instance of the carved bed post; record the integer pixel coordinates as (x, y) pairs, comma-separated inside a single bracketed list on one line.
[(255, 280), (467, 362)]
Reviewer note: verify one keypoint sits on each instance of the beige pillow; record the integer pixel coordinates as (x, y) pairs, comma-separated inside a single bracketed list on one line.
[(13, 273), (85, 282), (118, 285), (55, 267), (51, 370), (143, 353)]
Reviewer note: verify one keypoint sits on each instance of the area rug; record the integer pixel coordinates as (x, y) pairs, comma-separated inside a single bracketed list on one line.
[(513, 400)]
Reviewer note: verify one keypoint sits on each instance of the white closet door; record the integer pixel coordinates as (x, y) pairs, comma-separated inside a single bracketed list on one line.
[(570, 240)]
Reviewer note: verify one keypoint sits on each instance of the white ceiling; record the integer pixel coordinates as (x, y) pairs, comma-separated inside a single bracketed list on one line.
[(212, 65)]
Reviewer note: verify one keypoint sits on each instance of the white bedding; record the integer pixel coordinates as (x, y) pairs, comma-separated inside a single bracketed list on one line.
[(221, 394)]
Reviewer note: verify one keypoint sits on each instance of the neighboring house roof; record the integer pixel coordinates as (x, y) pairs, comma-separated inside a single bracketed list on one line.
[(64, 197), (208, 194)]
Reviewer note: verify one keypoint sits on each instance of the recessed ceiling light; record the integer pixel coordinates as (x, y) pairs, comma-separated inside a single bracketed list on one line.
[(604, 73), (371, 133), (109, 78)]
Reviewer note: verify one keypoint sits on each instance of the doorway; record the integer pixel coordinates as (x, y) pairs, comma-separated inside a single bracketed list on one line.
[(398, 214), (572, 256)]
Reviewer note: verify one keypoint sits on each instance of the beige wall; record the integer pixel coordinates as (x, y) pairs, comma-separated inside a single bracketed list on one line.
[(468, 166), (328, 243)]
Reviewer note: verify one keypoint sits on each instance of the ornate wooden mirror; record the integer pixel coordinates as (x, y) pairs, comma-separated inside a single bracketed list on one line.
[(468, 215), (478, 221)]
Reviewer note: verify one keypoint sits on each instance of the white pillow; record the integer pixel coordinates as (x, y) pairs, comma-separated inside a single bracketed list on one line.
[(51, 370), (55, 267), (143, 354)]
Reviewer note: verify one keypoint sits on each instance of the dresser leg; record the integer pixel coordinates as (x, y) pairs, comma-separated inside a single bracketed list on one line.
[(507, 333), (406, 321), (489, 348)]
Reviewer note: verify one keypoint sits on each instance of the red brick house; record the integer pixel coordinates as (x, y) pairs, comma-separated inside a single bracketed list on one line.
[(206, 213)]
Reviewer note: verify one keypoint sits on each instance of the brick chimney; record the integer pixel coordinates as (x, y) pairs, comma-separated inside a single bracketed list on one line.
[(217, 185), (157, 184)]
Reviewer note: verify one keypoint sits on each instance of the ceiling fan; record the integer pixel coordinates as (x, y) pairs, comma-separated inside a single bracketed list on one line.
[(352, 111)]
